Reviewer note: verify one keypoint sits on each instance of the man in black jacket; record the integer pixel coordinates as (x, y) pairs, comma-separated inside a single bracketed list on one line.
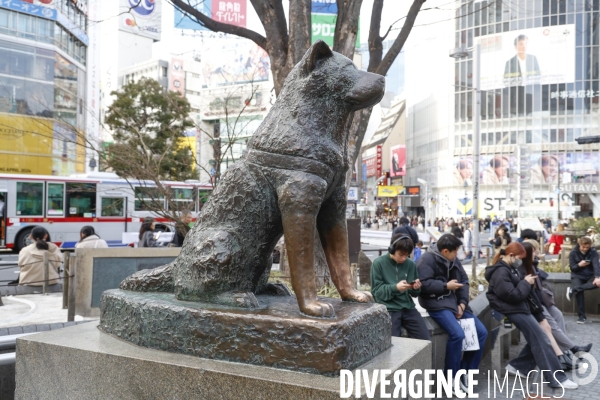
[(585, 273), (445, 296), (406, 229)]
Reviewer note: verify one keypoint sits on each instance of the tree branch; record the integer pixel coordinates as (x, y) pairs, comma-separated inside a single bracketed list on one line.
[(393, 52), (346, 27), (221, 27)]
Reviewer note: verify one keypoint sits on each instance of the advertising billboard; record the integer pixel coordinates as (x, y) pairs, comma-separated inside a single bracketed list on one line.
[(544, 169), (324, 7), (182, 21), (323, 28), (141, 17), (232, 12), (177, 78), (233, 61), (398, 161), (528, 57), (370, 166), (40, 146)]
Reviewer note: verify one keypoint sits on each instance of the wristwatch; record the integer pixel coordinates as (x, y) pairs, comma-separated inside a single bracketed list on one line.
[(445, 285)]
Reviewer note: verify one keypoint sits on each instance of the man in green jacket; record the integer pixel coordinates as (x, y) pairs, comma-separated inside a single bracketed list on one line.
[(394, 279)]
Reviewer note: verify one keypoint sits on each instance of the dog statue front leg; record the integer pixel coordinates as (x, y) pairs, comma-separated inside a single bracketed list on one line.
[(333, 231), (299, 203)]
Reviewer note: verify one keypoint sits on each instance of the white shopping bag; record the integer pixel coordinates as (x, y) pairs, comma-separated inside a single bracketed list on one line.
[(471, 341)]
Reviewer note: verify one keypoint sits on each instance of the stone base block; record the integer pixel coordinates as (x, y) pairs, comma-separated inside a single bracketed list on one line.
[(81, 362), (275, 334)]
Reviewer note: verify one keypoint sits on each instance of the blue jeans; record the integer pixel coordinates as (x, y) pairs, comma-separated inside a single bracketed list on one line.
[(449, 323)]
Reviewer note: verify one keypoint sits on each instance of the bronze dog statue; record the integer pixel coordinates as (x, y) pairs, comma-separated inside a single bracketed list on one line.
[(291, 179)]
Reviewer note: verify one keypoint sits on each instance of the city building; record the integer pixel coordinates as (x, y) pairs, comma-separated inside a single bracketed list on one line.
[(46, 86), (383, 160), (539, 71)]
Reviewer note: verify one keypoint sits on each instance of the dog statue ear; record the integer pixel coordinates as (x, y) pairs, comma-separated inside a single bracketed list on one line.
[(318, 51)]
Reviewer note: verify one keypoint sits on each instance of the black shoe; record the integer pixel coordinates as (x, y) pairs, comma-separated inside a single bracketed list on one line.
[(585, 349), (566, 364), (582, 320)]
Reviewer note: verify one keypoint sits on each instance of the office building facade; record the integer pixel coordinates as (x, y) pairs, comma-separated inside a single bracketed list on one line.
[(539, 71), (43, 86)]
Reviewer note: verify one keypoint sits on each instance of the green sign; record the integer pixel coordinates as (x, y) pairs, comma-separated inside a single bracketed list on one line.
[(323, 28)]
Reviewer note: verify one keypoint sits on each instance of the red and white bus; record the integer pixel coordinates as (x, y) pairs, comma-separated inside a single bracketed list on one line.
[(63, 205)]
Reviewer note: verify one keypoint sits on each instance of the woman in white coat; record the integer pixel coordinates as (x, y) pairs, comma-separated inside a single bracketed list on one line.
[(89, 239), (31, 260)]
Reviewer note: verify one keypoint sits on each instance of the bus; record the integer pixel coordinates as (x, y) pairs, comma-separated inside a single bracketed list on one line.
[(63, 205)]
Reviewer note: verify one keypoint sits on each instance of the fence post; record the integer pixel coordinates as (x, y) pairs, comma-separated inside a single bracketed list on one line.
[(72, 271), (67, 258), (487, 255), (46, 262), (353, 273)]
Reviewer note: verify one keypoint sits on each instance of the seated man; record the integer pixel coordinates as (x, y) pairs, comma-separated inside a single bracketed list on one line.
[(445, 296), (405, 229), (585, 273), (394, 279)]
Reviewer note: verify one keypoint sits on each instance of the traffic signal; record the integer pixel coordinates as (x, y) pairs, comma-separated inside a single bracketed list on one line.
[(588, 139)]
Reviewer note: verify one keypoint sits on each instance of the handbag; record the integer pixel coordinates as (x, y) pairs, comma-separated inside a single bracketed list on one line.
[(533, 305)]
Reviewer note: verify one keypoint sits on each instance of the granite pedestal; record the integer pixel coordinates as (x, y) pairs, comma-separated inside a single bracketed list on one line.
[(275, 334), (81, 362)]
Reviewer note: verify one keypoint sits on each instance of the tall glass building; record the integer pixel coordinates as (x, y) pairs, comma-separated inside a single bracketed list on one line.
[(43, 51), (539, 64)]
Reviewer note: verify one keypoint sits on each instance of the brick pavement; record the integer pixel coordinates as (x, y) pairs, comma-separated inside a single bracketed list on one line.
[(581, 335)]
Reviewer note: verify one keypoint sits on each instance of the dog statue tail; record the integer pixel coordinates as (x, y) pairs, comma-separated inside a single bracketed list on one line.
[(151, 280)]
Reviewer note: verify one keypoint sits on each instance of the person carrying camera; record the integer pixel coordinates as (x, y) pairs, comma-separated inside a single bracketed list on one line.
[(585, 273)]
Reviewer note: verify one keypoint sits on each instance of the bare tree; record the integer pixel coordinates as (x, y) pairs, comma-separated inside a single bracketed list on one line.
[(286, 41)]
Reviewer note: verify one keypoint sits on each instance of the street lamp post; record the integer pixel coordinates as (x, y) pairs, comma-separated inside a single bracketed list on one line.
[(426, 208), (462, 53)]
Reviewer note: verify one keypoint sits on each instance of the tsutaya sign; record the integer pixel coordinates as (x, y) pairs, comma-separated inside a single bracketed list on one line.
[(578, 188)]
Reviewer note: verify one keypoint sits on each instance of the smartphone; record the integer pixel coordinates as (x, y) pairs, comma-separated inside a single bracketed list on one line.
[(464, 283), (587, 261)]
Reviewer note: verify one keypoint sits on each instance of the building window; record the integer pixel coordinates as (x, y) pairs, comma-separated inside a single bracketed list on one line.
[(164, 72)]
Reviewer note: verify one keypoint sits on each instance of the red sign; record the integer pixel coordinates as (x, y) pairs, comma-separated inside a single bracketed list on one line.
[(177, 79), (379, 171), (398, 161), (371, 164), (232, 12)]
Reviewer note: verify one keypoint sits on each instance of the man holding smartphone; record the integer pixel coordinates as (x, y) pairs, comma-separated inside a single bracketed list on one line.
[(394, 279), (445, 296), (585, 273)]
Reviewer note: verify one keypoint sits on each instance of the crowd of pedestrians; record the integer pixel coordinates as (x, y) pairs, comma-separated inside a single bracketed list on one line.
[(518, 292)]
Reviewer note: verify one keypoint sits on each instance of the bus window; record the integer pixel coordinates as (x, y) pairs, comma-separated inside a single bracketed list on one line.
[(183, 199), (30, 198), (148, 199), (81, 200), (203, 197), (56, 200), (112, 207)]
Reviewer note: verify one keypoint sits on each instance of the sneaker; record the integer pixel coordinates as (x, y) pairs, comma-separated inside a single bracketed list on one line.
[(582, 320), (569, 384), (513, 371), (458, 392), (464, 383), (569, 293)]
